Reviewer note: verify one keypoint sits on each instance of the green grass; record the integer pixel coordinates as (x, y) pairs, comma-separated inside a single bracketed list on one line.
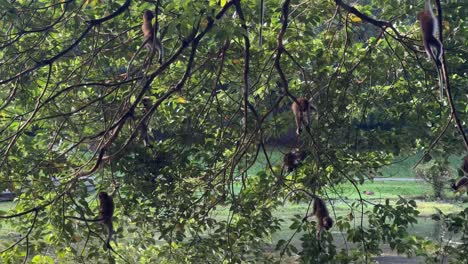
[(4, 206), (383, 190), (5, 228), (275, 157), (402, 167)]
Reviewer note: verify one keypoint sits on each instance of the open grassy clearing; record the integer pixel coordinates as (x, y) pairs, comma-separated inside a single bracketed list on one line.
[(382, 190), (400, 168)]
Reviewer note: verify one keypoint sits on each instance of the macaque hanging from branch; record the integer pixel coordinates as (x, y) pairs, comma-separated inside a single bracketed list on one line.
[(106, 213), (301, 109), (432, 45)]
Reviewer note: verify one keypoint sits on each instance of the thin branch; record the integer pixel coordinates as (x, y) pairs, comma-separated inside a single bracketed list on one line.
[(448, 90)]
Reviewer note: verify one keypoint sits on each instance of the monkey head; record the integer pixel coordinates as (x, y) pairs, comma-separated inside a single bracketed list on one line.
[(146, 101), (106, 206), (420, 15), (148, 15), (103, 196), (453, 185), (327, 222), (301, 154)]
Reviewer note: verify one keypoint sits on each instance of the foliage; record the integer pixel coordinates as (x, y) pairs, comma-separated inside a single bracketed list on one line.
[(72, 122), (438, 173), (452, 225)]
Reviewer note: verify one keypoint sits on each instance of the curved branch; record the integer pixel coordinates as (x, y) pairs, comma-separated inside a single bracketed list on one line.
[(92, 23), (448, 90)]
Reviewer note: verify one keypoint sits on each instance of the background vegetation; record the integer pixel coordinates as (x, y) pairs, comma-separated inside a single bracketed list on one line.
[(210, 187)]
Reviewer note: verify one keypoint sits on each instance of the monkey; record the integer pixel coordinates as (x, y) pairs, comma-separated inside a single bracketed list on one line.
[(293, 159), (428, 25), (460, 186), (301, 109), (464, 166), (33, 131), (320, 211), (106, 212), (151, 42)]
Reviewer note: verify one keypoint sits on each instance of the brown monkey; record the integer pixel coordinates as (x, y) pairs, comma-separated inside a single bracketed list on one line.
[(146, 101), (152, 43), (460, 186), (464, 166), (301, 109), (319, 210), (106, 212), (428, 24), (324, 220), (293, 159)]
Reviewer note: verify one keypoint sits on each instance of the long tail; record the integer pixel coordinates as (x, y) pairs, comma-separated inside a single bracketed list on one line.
[(438, 65), (441, 83), (133, 58), (161, 53), (110, 232), (313, 196)]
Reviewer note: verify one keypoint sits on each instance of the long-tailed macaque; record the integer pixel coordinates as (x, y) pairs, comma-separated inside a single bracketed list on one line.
[(151, 41), (320, 211), (293, 159), (428, 24), (106, 212), (464, 166), (301, 109), (460, 186)]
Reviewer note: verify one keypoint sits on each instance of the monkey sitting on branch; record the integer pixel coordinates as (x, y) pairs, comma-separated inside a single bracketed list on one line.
[(293, 159)]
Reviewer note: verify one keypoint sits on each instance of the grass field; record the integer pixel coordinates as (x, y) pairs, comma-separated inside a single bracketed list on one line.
[(400, 168)]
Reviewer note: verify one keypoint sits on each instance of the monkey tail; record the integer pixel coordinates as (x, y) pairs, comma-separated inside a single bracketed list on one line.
[(441, 83), (133, 58), (313, 196), (438, 64), (161, 53), (110, 232)]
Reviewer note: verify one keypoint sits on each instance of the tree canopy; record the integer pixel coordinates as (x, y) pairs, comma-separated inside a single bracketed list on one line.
[(74, 78)]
